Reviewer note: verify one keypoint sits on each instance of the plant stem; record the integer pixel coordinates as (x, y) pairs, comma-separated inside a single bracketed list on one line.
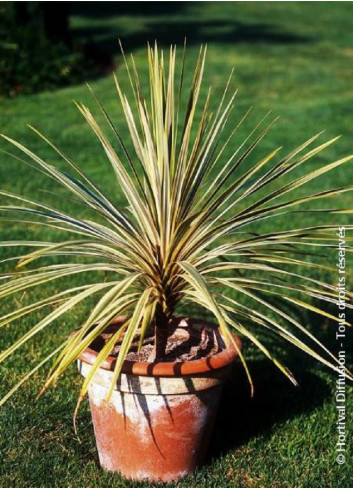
[(161, 333)]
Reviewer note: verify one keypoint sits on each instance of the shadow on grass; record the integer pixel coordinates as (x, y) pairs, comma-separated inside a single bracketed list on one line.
[(175, 25), (240, 417), (104, 9)]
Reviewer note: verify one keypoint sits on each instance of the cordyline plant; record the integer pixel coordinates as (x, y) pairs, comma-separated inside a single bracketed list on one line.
[(188, 234)]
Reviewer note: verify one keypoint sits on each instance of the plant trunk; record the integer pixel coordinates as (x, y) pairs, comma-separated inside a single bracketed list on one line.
[(161, 333)]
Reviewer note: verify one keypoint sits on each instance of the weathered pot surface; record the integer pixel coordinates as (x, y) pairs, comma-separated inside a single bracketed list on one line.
[(157, 424)]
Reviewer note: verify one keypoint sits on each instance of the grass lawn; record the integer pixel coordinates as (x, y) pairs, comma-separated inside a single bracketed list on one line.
[(294, 58)]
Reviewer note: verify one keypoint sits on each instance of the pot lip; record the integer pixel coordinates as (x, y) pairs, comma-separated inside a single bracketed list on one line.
[(170, 369)]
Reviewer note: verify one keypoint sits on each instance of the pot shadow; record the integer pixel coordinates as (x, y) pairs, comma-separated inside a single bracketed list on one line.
[(275, 400)]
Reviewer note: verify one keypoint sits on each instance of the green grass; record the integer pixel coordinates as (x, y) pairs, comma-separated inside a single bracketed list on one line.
[(294, 58)]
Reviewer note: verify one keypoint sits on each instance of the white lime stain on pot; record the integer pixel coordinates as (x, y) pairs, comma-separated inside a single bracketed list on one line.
[(142, 409)]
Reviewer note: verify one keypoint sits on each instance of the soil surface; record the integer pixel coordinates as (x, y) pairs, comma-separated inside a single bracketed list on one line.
[(188, 340)]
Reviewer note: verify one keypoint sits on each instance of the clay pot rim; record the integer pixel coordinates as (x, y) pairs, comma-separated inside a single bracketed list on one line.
[(170, 369)]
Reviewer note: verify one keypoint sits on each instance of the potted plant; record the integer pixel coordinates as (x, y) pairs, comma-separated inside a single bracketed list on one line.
[(189, 236)]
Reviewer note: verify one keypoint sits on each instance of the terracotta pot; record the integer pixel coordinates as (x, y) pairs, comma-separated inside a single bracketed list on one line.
[(159, 419)]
